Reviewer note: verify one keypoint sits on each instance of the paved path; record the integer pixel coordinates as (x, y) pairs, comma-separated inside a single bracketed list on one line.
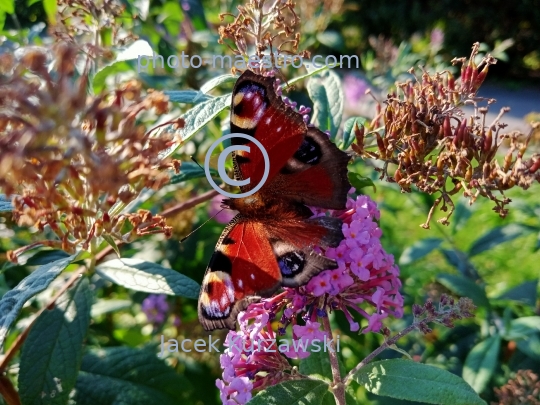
[(521, 102)]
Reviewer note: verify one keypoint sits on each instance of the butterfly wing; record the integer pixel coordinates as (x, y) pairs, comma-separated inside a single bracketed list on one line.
[(258, 111), (316, 175), (305, 166), (253, 260), (241, 269)]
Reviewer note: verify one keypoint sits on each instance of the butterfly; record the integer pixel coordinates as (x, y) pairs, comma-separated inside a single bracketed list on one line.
[(271, 242)]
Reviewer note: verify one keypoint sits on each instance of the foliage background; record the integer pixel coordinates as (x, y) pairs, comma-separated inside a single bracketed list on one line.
[(492, 260)]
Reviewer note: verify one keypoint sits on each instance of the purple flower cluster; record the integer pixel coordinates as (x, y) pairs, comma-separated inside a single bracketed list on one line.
[(366, 282), (302, 110), (354, 89), (366, 276), (156, 308)]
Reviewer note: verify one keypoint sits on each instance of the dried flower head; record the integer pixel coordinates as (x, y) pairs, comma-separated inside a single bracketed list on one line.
[(524, 388), (263, 28), (438, 150), (445, 314), (91, 23), (68, 158)]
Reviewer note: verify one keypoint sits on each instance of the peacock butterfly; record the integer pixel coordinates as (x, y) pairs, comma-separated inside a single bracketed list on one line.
[(270, 243)]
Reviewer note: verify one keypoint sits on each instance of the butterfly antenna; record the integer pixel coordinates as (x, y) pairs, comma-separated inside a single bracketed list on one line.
[(195, 160), (201, 225)]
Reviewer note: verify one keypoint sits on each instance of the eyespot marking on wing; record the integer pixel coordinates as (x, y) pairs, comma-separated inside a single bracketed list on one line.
[(249, 108), (309, 152)]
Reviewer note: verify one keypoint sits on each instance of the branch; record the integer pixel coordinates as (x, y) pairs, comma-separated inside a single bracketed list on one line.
[(338, 389)]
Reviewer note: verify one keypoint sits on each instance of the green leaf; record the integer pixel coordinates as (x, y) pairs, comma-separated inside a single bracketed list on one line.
[(331, 39), (418, 250), (187, 96), (148, 277), (189, 171), (51, 355), (295, 392), (525, 293), (464, 287), (171, 16), (530, 346), (481, 362), (408, 380), (327, 94), (318, 365), (102, 306), (349, 136), (457, 259), (328, 399), (359, 182), (123, 375), (5, 203), (309, 74), (462, 213), (217, 81), (46, 256), (110, 240), (98, 83), (523, 327), (499, 235), (7, 6), (12, 301), (50, 7), (202, 114)]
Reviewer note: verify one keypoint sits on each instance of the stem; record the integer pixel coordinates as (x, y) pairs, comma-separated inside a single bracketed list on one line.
[(338, 389)]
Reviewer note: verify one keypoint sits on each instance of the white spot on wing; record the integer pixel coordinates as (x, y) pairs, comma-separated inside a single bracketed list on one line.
[(253, 277)]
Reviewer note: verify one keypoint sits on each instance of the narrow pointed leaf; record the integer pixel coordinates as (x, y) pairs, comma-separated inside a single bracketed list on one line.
[(419, 250), (481, 362), (464, 287), (217, 81), (202, 114), (187, 96), (12, 301), (499, 235), (189, 171), (148, 277), (51, 355)]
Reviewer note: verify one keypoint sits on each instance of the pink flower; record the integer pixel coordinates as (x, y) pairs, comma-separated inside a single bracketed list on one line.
[(339, 280), (305, 337), (366, 283), (319, 284), (223, 217), (354, 89), (375, 324)]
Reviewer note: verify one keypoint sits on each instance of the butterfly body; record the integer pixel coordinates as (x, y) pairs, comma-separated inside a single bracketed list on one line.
[(270, 243)]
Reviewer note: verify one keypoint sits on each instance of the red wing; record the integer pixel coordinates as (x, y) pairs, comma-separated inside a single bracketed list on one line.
[(242, 269), (253, 260), (258, 111), (316, 175)]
